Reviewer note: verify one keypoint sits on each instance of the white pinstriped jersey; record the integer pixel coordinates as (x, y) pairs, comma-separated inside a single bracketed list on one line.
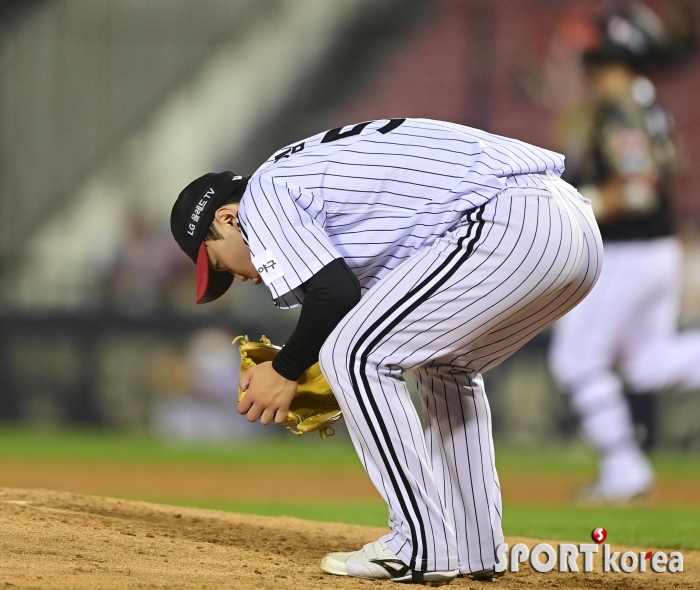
[(375, 194)]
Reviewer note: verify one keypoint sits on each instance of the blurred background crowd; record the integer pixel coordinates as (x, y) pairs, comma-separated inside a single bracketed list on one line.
[(108, 109)]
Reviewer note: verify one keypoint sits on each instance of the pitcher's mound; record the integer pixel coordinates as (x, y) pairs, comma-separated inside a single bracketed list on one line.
[(62, 540)]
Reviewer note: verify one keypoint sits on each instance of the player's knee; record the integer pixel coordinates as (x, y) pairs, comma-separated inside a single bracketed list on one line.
[(332, 358), (597, 392), (649, 368), (325, 358)]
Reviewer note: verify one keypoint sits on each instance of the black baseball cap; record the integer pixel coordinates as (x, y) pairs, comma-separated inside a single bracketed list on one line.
[(632, 34), (190, 219)]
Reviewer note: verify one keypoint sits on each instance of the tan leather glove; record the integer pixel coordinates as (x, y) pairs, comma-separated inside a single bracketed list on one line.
[(314, 406)]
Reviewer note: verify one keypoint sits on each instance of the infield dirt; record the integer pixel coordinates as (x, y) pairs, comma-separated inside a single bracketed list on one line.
[(64, 540), (300, 484)]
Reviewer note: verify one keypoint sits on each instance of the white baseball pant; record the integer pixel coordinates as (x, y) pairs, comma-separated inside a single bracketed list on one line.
[(628, 319), (450, 312)]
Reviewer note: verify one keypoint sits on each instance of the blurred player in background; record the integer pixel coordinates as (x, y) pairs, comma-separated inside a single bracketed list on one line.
[(621, 155)]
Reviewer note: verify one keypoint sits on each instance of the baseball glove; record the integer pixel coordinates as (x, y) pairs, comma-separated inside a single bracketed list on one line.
[(314, 406)]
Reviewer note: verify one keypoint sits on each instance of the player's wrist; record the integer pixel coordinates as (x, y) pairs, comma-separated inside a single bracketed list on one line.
[(283, 370)]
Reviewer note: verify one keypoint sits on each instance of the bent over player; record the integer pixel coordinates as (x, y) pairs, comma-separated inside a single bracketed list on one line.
[(413, 246)]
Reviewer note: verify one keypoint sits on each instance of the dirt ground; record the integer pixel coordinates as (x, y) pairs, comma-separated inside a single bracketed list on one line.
[(262, 484), (213, 482), (63, 540)]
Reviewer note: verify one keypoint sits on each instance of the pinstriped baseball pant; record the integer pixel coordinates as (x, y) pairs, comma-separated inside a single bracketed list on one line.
[(452, 311)]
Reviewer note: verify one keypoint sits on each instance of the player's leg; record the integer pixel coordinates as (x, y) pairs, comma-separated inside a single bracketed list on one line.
[(458, 419), (656, 356), (385, 428), (508, 256), (585, 345), (458, 436)]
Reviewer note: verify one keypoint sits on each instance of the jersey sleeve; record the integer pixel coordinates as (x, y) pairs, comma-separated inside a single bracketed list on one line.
[(284, 229)]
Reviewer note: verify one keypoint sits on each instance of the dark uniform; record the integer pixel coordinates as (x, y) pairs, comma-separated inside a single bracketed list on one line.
[(632, 137)]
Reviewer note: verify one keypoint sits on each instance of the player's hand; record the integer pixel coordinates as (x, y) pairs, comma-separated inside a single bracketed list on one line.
[(268, 394)]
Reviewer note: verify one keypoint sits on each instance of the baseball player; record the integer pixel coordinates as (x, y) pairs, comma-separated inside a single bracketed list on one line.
[(626, 167), (411, 245)]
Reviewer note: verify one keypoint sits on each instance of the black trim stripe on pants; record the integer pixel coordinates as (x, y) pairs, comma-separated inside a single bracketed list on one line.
[(462, 305), (405, 305)]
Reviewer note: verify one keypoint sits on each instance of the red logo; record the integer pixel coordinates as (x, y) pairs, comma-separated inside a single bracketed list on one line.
[(599, 535)]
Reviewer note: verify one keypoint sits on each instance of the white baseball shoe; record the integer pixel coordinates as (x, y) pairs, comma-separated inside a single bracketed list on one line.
[(598, 493), (375, 561), (488, 575), (624, 477)]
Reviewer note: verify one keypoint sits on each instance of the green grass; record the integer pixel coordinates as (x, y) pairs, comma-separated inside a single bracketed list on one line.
[(646, 527), (100, 445), (578, 459), (283, 449), (105, 446)]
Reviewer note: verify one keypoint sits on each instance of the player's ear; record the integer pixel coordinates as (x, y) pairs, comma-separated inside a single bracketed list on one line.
[(228, 215)]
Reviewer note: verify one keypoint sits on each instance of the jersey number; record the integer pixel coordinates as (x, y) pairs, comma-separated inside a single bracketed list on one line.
[(292, 150), (335, 134)]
